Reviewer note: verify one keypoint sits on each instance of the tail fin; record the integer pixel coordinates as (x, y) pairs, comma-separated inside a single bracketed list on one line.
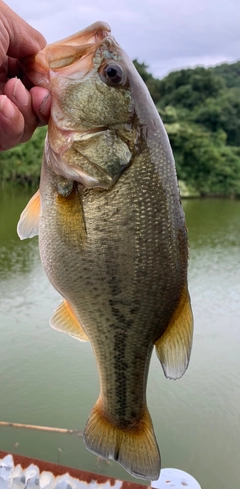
[(135, 448)]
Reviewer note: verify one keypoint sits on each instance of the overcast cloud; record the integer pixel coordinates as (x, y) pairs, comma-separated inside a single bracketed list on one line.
[(165, 34)]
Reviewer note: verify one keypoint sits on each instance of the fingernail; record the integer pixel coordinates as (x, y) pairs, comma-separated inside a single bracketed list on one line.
[(45, 105), (20, 93), (6, 107)]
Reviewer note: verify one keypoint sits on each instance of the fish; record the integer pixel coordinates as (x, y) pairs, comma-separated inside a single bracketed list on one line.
[(112, 235)]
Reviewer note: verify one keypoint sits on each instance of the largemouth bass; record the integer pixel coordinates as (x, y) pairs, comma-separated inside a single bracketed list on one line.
[(112, 235)]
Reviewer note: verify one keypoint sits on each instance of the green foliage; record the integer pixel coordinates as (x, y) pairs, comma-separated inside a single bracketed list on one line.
[(204, 161), (223, 113), (22, 164), (201, 111), (190, 88), (152, 83), (229, 72)]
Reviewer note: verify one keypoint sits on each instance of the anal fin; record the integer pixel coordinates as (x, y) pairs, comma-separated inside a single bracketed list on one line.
[(65, 321), (174, 347), (29, 220)]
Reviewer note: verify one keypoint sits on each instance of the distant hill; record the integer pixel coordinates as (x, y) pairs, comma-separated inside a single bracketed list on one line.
[(200, 108), (230, 72)]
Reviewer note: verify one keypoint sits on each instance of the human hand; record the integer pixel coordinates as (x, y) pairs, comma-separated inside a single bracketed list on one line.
[(21, 109)]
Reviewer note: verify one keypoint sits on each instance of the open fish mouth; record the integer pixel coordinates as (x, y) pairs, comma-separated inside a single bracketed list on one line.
[(62, 56), (64, 53)]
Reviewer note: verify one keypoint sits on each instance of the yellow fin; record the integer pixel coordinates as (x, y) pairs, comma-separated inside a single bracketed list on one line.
[(29, 220), (135, 448), (65, 321), (174, 347)]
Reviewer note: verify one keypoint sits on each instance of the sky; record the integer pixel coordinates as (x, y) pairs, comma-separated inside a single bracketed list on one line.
[(166, 35)]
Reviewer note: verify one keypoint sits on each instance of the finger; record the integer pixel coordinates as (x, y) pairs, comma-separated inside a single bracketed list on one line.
[(13, 68), (41, 103), (17, 93), (19, 39), (11, 123)]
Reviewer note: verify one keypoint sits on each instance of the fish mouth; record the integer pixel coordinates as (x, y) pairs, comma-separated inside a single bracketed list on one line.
[(61, 57), (66, 52)]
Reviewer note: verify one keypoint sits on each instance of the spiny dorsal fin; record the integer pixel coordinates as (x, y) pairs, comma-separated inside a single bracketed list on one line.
[(174, 347), (29, 220), (65, 321)]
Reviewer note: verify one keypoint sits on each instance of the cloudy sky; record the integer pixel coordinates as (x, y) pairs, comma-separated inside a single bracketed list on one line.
[(165, 34)]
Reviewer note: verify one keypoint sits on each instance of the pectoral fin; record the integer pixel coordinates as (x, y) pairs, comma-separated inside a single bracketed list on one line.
[(65, 321), (174, 347), (29, 220)]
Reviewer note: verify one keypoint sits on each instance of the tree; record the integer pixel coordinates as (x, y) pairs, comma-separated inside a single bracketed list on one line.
[(22, 164), (152, 83)]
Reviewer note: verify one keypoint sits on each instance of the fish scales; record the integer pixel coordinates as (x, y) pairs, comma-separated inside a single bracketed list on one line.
[(112, 237), (117, 308)]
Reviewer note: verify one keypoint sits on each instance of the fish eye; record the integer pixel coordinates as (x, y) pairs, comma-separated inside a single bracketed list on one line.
[(113, 73)]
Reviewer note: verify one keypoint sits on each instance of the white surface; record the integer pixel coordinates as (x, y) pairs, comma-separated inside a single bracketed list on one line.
[(14, 477), (175, 478)]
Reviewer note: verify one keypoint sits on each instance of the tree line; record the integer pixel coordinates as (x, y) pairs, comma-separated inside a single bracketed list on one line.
[(200, 109)]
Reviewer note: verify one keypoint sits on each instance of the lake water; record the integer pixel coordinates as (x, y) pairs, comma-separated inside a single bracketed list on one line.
[(49, 379)]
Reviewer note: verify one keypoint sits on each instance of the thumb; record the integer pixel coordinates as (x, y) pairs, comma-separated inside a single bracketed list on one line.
[(18, 38)]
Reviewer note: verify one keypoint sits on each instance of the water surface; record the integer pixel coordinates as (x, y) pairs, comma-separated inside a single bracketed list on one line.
[(47, 378)]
